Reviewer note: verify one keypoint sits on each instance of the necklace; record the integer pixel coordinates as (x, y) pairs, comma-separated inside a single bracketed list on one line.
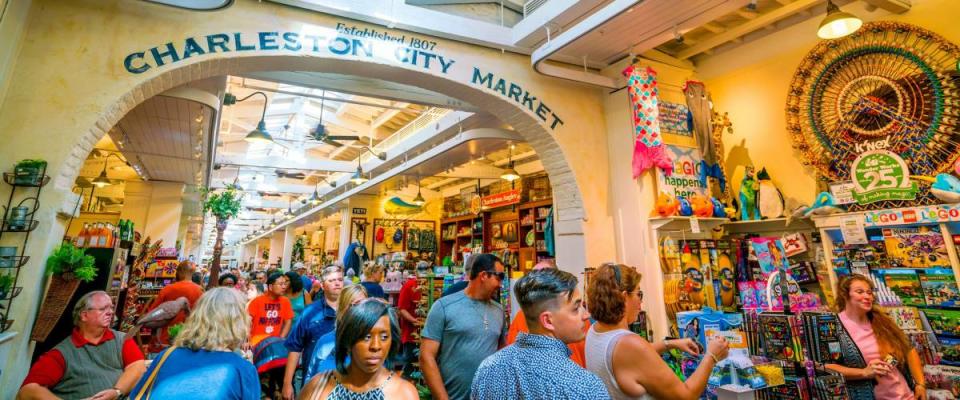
[(483, 312)]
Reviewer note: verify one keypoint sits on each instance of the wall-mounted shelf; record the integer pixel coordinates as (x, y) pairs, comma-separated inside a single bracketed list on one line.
[(769, 225), (685, 223)]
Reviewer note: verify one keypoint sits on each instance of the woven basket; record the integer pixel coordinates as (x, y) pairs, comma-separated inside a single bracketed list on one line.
[(54, 304)]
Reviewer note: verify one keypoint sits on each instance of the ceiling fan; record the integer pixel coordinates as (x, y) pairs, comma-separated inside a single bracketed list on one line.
[(289, 174), (321, 135)]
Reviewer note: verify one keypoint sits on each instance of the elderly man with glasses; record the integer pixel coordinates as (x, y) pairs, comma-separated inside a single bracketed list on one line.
[(95, 362)]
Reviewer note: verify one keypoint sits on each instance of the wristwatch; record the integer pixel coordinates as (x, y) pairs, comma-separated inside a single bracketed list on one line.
[(119, 393)]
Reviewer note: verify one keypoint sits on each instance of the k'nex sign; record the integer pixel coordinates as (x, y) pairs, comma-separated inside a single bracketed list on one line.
[(348, 41)]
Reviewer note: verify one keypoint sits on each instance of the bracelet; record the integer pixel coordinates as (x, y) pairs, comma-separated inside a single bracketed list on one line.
[(923, 385), (715, 359), (666, 344)]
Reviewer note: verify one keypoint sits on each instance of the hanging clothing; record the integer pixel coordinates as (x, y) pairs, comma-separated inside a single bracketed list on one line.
[(698, 102), (354, 257), (548, 233), (648, 150), (428, 240)]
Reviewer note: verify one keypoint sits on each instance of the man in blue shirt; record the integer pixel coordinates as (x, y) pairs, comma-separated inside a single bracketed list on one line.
[(317, 320), (538, 365)]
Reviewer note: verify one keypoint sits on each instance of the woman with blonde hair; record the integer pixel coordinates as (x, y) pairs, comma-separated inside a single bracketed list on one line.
[(879, 360), (203, 354), (630, 366), (372, 275)]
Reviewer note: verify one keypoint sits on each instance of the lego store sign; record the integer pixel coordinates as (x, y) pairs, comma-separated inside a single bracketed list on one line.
[(914, 215)]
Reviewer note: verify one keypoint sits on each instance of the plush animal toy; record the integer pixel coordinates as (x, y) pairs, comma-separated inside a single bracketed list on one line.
[(666, 205), (945, 187), (701, 205), (718, 210), (769, 198), (748, 195), (825, 204), (159, 317), (684, 206)]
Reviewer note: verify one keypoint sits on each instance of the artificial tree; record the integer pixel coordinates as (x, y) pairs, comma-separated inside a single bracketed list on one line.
[(223, 205)]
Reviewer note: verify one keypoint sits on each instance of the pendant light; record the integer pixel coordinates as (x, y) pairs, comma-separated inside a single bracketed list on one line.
[(258, 135), (419, 200), (358, 178), (289, 212), (102, 181), (315, 198), (510, 174), (837, 24)]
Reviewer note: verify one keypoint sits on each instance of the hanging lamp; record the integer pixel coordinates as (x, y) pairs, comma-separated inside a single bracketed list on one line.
[(258, 135), (510, 174), (358, 178), (837, 24), (419, 200), (315, 198)]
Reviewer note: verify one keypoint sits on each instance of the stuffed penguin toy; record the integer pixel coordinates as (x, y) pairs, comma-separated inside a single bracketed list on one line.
[(769, 198)]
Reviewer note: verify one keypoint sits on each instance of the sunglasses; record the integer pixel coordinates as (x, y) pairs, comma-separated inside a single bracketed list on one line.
[(499, 275)]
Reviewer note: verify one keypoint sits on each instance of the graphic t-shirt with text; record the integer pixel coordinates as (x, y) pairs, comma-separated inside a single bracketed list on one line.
[(268, 316)]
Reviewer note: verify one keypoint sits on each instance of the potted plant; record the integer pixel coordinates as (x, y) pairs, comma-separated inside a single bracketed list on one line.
[(29, 172), (6, 283), (223, 205), (67, 266)]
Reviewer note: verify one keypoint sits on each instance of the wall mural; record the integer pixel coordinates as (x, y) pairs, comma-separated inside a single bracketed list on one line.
[(888, 87)]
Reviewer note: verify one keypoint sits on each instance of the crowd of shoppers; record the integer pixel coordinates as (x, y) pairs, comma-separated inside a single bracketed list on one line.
[(278, 335)]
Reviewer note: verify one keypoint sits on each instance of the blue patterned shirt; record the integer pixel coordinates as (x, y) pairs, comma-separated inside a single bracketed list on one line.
[(535, 367)]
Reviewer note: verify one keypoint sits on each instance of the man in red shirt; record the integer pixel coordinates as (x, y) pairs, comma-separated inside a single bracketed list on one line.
[(184, 287), (94, 362), (409, 321)]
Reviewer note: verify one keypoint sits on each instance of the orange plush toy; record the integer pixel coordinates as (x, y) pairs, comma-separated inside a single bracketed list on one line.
[(666, 206), (702, 206)]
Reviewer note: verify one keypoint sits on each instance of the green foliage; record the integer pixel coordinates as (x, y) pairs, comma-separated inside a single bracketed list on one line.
[(298, 249), (6, 282), (68, 259), (30, 163), (174, 331), (224, 204)]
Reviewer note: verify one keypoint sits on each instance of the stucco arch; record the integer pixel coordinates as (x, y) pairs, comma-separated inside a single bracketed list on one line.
[(566, 191)]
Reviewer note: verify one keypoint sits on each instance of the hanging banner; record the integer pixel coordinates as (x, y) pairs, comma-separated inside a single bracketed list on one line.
[(880, 175), (502, 199), (685, 180)]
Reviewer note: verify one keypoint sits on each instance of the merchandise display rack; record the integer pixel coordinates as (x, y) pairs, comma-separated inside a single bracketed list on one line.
[(24, 227)]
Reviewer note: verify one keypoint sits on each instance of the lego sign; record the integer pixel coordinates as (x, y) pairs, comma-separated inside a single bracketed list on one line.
[(915, 215)]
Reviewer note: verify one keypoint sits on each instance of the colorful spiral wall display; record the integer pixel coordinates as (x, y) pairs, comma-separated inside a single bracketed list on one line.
[(889, 86)]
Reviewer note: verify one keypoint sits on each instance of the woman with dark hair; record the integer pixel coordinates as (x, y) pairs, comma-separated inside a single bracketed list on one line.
[(880, 362), (298, 298), (629, 366), (227, 280), (368, 336)]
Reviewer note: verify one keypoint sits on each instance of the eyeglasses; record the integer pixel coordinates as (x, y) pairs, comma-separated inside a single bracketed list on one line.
[(640, 293), (101, 309), (499, 275), (282, 283)]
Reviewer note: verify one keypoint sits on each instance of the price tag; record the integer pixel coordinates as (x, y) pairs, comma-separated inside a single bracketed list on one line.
[(694, 225), (853, 231), (880, 175), (842, 192)]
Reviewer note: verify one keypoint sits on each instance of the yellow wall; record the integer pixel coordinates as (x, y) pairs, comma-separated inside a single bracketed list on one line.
[(750, 82)]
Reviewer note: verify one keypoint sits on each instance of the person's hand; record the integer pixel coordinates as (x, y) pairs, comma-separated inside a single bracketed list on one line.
[(876, 368), (106, 394), (685, 345), (718, 348), (920, 393), (287, 391), (315, 288), (418, 322)]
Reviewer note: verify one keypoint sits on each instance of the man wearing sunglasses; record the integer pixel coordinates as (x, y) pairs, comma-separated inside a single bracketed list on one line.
[(468, 326)]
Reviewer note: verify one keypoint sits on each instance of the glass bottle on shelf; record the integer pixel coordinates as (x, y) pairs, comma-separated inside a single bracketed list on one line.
[(81, 240)]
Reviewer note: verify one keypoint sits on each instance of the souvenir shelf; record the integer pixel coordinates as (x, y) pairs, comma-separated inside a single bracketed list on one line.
[(533, 220), (18, 221), (458, 233)]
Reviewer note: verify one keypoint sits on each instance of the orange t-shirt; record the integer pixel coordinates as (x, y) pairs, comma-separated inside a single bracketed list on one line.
[(173, 291), (578, 352), (268, 316)]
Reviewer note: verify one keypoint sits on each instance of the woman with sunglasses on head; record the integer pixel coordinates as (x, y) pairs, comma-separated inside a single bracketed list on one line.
[(368, 337), (879, 360), (628, 364)]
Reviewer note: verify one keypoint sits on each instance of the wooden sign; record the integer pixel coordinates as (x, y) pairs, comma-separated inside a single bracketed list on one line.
[(359, 211)]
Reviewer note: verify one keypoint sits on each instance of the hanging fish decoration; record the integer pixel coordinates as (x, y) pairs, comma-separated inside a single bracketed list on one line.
[(396, 206)]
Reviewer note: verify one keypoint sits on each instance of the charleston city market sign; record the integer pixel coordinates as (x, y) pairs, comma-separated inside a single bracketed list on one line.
[(343, 41)]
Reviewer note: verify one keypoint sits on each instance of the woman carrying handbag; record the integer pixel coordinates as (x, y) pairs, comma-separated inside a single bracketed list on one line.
[(202, 363)]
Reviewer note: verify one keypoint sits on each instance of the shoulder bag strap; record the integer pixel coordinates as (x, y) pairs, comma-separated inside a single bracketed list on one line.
[(324, 379), (144, 392)]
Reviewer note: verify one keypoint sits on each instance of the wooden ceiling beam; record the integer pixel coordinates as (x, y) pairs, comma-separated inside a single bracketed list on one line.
[(745, 28), (714, 27)]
